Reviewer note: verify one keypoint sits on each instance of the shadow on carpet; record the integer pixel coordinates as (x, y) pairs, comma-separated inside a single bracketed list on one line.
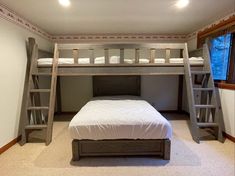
[(58, 155)]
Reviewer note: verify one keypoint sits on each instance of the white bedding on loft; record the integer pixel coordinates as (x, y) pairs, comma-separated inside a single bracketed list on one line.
[(48, 61), (192, 60), (116, 60), (119, 119)]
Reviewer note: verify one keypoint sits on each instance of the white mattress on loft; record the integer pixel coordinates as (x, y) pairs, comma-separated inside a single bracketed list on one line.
[(116, 60), (119, 119), (192, 60), (48, 61)]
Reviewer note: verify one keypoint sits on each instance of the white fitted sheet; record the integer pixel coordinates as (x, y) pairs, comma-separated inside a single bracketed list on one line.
[(192, 60), (119, 119), (116, 60), (48, 61)]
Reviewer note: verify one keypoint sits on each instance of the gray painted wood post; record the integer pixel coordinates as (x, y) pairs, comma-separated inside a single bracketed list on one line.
[(190, 95), (52, 96)]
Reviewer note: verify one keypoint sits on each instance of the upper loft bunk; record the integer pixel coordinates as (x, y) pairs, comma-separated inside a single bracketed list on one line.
[(120, 59)]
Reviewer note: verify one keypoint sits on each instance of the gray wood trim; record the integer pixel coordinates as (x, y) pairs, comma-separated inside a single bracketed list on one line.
[(75, 55), (58, 96), (119, 70), (92, 56), (121, 147), (152, 55), (122, 56), (180, 93)]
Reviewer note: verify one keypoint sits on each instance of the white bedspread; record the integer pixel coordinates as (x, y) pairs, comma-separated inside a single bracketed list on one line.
[(119, 119)]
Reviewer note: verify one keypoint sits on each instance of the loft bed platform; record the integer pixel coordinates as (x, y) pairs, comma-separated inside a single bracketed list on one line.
[(121, 68)]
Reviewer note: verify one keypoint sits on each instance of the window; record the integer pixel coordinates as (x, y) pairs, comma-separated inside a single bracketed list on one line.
[(220, 56)]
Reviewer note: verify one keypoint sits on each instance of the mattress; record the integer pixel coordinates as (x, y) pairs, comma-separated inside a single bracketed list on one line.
[(116, 60), (48, 61), (192, 60), (119, 119)]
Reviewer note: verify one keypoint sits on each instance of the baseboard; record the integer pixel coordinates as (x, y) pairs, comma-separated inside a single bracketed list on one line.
[(231, 138), (9, 145)]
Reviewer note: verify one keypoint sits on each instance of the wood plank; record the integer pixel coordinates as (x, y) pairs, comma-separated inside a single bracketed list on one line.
[(168, 55), (75, 55), (106, 55), (152, 55), (92, 56), (122, 56)]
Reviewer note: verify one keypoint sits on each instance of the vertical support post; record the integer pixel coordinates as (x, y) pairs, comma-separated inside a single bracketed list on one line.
[(52, 96), (58, 96), (122, 56), (92, 56), (75, 55), (106, 54), (180, 93), (137, 55), (152, 55), (168, 55)]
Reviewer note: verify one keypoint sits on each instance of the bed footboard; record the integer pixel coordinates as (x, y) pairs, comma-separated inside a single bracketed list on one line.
[(158, 147)]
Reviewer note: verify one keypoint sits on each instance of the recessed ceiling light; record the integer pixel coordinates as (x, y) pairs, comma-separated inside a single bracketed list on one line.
[(65, 3), (182, 3)]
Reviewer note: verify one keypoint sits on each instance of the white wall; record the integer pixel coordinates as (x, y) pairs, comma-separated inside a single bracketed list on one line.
[(228, 107), (13, 58)]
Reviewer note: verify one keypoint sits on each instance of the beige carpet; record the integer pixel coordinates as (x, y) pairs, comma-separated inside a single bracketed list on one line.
[(210, 158)]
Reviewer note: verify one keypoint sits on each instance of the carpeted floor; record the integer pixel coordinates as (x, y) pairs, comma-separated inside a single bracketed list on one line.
[(210, 158)]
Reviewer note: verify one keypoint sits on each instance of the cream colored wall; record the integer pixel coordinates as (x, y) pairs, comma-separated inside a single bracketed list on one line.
[(228, 107), (13, 60), (227, 100)]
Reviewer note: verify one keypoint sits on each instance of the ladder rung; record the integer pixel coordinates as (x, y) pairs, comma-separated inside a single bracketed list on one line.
[(35, 127), (38, 108), (207, 125), (200, 72), (41, 74), (40, 90), (204, 106), (203, 89)]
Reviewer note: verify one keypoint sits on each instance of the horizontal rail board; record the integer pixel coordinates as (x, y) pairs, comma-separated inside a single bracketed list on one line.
[(104, 70)]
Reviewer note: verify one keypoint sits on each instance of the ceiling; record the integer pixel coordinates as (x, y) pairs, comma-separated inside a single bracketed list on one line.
[(121, 16)]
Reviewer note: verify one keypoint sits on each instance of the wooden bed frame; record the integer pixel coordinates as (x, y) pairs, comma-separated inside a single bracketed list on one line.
[(111, 86), (156, 147)]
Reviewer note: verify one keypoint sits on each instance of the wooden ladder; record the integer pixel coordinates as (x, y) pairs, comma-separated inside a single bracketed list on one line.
[(206, 112), (33, 117)]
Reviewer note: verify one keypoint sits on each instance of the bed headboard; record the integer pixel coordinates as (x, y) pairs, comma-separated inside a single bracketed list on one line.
[(116, 85)]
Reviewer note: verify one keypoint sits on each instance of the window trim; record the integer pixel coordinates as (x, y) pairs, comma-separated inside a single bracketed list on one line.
[(223, 27)]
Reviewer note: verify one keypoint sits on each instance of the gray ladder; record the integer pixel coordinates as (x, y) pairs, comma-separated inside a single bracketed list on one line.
[(33, 117), (205, 112)]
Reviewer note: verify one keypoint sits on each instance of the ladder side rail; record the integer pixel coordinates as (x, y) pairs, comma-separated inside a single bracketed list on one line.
[(26, 114), (218, 112), (52, 95), (190, 94)]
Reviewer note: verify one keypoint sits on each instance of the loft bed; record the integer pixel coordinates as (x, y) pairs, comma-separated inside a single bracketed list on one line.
[(117, 65)]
